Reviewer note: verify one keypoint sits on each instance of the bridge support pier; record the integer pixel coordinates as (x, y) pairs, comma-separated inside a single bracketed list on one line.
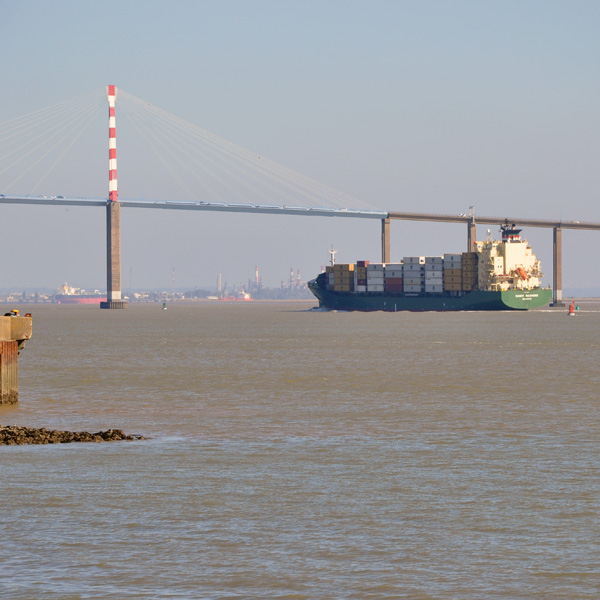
[(113, 257), (385, 241), (557, 267), (471, 235)]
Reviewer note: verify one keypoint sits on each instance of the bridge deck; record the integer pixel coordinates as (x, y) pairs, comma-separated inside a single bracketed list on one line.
[(206, 206), (299, 210), (479, 220)]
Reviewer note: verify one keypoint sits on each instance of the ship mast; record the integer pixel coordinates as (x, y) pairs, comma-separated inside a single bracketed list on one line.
[(332, 253)]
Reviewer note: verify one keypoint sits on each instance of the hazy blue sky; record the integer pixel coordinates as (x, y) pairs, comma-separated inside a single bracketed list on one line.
[(423, 105)]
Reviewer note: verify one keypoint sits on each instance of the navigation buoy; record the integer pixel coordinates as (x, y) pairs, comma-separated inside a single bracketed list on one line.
[(572, 309), (164, 306)]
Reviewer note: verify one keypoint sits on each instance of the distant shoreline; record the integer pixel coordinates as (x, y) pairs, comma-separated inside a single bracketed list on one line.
[(169, 303)]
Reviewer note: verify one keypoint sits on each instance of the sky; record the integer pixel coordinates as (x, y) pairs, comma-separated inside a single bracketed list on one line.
[(429, 106)]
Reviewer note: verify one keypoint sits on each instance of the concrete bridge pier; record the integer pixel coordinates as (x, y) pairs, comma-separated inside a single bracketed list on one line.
[(471, 235), (385, 241), (557, 266), (13, 333), (113, 257)]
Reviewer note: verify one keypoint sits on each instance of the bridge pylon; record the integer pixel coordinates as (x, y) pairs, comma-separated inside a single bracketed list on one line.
[(113, 214)]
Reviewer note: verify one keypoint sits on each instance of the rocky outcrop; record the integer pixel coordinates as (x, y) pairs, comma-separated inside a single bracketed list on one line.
[(14, 435)]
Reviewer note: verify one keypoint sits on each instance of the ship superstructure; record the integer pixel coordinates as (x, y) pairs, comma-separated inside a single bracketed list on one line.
[(509, 264)]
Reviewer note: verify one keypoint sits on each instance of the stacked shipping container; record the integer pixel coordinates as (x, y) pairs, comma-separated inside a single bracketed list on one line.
[(375, 277), (394, 282), (434, 274), (340, 278), (452, 273), (414, 274), (360, 276), (469, 271)]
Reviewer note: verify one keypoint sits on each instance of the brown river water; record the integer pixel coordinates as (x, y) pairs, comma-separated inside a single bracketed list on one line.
[(302, 454)]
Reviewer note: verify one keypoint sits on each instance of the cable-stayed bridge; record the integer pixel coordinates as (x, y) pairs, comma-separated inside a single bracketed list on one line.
[(195, 169)]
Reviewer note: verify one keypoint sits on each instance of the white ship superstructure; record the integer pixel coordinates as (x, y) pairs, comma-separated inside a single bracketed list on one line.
[(509, 264)]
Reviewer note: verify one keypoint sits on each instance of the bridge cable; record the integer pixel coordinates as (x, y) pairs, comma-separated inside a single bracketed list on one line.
[(66, 127), (255, 165)]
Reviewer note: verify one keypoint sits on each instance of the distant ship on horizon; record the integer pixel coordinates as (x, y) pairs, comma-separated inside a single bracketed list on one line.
[(71, 295), (239, 296)]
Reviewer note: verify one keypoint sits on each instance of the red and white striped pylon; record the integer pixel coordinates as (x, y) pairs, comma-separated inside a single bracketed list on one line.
[(113, 195)]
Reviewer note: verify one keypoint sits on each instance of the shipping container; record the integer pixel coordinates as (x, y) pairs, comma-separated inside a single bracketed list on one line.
[(452, 258), (452, 272), (413, 280), (393, 280), (434, 260), (375, 287), (414, 260), (413, 267), (362, 263), (437, 267), (453, 267), (343, 267), (412, 288), (457, 280), (393, 273), (433, 289)]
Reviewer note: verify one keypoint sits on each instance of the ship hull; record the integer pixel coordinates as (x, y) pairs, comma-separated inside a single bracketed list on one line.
[(79, 299), (476, 300)]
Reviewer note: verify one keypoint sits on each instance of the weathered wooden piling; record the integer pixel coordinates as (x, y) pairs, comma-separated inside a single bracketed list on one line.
[(14, 331)]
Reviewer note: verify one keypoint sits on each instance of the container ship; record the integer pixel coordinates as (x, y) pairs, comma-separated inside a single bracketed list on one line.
[(70, 295), (496, 275)]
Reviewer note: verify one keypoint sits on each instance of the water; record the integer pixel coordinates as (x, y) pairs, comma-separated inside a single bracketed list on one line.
[(299, 454)]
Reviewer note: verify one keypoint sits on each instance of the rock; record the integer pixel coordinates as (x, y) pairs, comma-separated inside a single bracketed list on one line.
[(13, 435)]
